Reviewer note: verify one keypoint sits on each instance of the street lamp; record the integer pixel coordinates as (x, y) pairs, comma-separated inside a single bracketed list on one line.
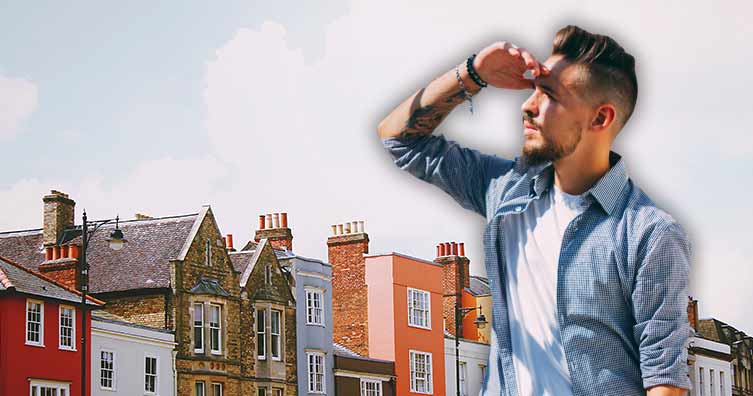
[(480, 323), (116, 242)]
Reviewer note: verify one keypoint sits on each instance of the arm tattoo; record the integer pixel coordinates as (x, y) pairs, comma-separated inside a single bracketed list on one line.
[(423, 120)]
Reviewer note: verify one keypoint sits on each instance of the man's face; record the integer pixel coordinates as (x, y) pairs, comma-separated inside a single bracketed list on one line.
[(555, 115)]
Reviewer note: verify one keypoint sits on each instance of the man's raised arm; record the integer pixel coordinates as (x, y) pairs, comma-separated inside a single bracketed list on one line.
[(501, 65)]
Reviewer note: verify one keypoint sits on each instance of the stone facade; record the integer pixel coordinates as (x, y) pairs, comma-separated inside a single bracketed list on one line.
[(349, 290), (58, 215)]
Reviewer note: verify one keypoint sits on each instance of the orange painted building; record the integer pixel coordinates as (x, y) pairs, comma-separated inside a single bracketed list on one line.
[(399, 330)]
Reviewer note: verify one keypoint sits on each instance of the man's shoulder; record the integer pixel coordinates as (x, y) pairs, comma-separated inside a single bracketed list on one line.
[(644, 217)]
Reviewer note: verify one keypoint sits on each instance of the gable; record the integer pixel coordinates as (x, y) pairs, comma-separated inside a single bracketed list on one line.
[(277, 288)]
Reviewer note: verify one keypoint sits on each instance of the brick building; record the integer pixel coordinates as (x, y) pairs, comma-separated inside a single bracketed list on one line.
[(175, 273), (740, 352)]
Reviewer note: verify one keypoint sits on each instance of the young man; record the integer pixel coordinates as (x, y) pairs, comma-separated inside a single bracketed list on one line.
[(589, 278)]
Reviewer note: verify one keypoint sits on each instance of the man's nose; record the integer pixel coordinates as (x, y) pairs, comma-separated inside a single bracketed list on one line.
[(531, 105)]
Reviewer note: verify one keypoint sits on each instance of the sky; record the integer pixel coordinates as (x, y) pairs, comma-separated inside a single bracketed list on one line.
[(260, 107)]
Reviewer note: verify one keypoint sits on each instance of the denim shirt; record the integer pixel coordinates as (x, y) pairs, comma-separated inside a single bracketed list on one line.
[(623, 270)]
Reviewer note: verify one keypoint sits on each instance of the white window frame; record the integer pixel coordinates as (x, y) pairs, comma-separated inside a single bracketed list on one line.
[(203, 388), (113, 369), (215, 387), (40, 342), (72, 347), (156, 374), (314, 314), (377, 386), (194, 327), (261, 335), (39, 384), (313, 375), (463, 378), (428, 375), (275, 337), (411, 314), (218, 329)]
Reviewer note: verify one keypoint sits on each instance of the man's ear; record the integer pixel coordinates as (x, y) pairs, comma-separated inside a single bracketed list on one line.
[(604, 118)]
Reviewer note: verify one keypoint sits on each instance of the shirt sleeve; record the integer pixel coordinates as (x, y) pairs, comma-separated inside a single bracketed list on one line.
[(660, 298), (463, 173)]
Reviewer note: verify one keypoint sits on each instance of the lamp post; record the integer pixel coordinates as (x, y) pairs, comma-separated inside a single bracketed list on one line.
[(480, 323), (116, 242)]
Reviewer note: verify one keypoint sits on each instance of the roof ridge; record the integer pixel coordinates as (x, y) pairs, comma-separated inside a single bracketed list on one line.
[(54, 282), (155, 218), (19, 231)]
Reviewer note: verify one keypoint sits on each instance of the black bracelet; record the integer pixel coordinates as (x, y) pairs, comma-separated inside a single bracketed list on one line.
[(473, 73)]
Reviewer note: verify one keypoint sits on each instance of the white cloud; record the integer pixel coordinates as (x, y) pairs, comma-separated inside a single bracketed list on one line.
[(18, 99)]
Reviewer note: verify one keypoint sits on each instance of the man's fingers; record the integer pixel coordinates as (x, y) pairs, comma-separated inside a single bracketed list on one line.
[(531, 62)]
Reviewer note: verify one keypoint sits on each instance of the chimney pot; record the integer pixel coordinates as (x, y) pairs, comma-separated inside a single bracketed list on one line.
[(360, 225), (269, 221), (461, 248), (355, 227), (454, 247), (347, 228), (55, 252), (442, 252), (48, 253), (224, 241), (229, 242), (334, 229), (64, 251), (439, 250), (447, 249), (73, 250), (261, 222), (339, 229), (284, 219), (276, 217)]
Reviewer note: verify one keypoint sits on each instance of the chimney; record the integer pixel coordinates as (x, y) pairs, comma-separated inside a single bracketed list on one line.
[(345, 250), (456, 277), (693, 313), (274, 227), (58, 215), (229, 242)]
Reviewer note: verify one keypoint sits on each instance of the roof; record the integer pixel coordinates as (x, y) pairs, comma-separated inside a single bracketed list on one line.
[(479, 286), (107, 317), (142, 264), (342, 350), (15, 277), (241, 259)]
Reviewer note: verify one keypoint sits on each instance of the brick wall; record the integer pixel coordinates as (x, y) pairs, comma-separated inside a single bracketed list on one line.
[(147, 310), (349, 292), (454, 268)]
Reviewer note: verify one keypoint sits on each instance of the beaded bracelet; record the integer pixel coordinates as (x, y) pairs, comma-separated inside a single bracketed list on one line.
[(473, 73)]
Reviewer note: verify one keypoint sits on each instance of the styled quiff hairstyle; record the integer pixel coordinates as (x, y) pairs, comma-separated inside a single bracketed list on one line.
[(609, 70)]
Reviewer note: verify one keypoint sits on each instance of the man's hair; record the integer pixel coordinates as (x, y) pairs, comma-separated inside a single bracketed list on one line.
[(609, 70)]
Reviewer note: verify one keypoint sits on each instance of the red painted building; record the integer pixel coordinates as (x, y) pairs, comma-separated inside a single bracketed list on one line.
[(40, 339)]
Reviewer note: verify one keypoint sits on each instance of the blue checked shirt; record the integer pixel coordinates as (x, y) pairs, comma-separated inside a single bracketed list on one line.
[(622, 281)]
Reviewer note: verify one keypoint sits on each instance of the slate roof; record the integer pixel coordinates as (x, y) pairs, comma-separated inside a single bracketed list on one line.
[(479, 286), (142, 264), (342, 350), (241, 259), (14, 277)]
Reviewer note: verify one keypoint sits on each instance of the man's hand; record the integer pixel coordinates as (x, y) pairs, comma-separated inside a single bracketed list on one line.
[(503, 65), (666, 390)]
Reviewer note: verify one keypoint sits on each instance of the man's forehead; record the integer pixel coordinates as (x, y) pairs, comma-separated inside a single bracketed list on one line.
[(564, 77)]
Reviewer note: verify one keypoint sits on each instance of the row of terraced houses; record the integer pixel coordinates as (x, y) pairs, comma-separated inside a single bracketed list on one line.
[(180, 311)]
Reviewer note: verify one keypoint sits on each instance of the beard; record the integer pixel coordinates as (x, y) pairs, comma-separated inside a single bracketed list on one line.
[(550, 149)]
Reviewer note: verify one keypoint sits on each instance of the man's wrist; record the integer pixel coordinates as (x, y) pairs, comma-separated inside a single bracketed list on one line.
[(471, 86)]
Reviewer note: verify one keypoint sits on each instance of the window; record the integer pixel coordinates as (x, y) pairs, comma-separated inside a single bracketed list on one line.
[(48, 388), (216, 389), (34, 322), (316, 372), (198, 328), (419, 308), (261, 339), (215, 329), (420, 372), (276, 392), (482, 367), (721, 383), (700, 378), (314, 314), (275, 335), (200, 387), (262, 392), (107, 370), (463, 376), (150, 374), (208, 254), (67, 330), (711, 382), (371, 387)]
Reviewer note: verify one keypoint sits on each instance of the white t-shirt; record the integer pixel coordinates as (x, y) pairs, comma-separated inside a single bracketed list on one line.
[(533, 240)]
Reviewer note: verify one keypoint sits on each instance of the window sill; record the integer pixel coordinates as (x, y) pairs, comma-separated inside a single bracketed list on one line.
[(422, 328), (67, 349), (34, 345), (315, 324)]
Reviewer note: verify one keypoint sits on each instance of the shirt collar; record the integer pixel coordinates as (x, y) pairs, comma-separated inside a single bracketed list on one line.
[(606, 191)]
